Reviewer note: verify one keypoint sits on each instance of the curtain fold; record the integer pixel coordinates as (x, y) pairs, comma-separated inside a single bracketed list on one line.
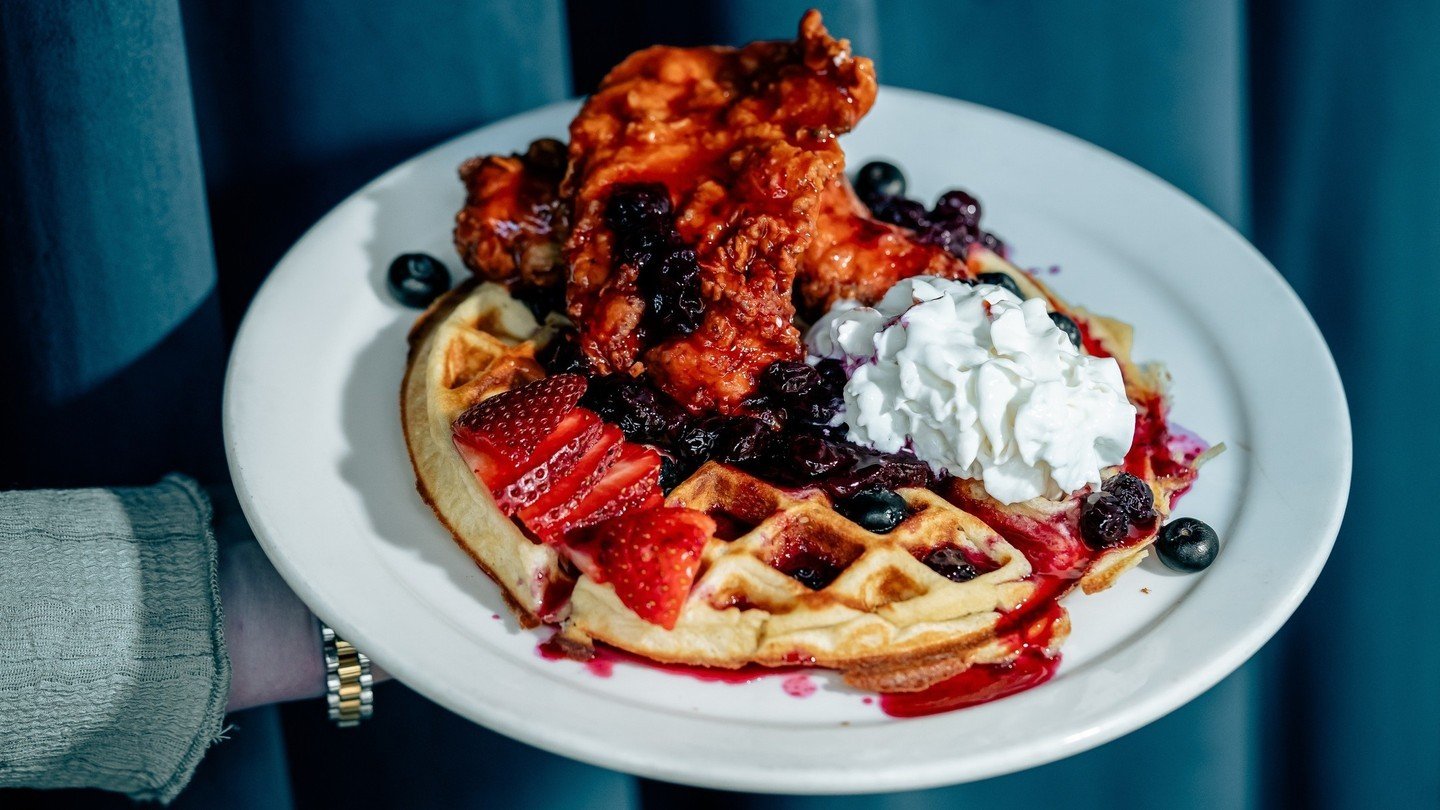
[(1347, 206), (108, 338)]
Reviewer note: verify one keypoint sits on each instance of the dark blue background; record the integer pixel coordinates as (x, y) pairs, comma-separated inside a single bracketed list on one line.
[(158, 158)]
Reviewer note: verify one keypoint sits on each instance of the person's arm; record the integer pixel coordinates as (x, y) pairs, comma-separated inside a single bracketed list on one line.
[(113, 671), (117, 662), (271, 637)]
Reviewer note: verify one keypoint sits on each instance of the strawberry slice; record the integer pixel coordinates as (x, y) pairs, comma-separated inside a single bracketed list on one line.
[(651, 559), (496, 436), (553, 460), (564, 494), (584, 552), (632, 483)]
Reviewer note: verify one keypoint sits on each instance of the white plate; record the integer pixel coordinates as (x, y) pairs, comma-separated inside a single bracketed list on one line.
[(313, 436)]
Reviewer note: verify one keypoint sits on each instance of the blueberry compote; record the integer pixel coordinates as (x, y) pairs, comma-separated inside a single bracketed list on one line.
[(667, 276), (784, 436)]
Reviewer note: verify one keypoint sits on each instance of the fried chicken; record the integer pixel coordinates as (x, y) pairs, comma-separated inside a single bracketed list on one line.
[(745, 142), (855, 257), (514, 221)]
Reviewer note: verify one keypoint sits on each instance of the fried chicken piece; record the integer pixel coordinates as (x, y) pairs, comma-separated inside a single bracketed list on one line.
[(851, 256), (854, 256), (745, 142), (514, 220)]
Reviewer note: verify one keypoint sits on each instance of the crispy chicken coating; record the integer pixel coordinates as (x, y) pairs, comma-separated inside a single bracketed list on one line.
[(514, 220), (745, 142), (855, 257)]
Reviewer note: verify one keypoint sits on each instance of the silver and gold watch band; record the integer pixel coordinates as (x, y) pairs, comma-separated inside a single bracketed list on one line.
[(348, 682)]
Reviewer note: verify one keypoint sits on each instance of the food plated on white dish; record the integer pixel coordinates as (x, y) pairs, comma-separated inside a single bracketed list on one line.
[(837, 540)]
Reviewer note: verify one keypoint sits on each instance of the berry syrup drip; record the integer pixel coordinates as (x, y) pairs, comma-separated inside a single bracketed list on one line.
[(1032, 628), (1053, 548), (604, 658), (554, 597), (978, 684), (1089, 342), (1159, 448), (1162, 450)]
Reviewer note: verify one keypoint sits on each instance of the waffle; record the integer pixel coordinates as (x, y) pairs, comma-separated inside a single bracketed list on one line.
[(472, 343), (886, 620)]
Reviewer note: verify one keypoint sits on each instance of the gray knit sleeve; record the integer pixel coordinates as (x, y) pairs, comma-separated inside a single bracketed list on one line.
[(113, 671)]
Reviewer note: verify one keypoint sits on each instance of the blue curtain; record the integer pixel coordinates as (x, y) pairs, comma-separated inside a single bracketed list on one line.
[(160, 157)]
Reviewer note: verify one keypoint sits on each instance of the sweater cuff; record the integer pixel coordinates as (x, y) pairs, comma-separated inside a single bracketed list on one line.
[(113, 672)]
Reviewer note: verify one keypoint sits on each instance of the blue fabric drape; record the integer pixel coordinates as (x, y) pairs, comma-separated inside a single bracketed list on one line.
[(1313, 125), (106, 305)]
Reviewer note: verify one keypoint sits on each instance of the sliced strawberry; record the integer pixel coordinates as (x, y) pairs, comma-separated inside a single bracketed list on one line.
[(584, 552), (555, 458), (499, 434), (561, 498), (481, 462), (651, 559), (631, 484)]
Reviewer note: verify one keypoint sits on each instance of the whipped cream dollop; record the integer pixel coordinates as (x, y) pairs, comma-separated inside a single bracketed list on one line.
[(979, 384)]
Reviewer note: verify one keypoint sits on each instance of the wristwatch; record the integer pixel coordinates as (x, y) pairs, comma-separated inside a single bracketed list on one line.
[(348, 682)]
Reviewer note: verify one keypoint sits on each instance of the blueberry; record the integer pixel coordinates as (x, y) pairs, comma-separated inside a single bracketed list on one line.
[(941, 235), (1187, 545), (1134, 496), (905, 213), (950, 562), (876, 510), (1001, 280), (416, 279), (671, 473), (958, 207), (1103, 521), (637, 206), (641, 413), (832, 377), (878, 179), (814, 578), (697, 438), (547, 158), (672, 292), (644, 247), (813, 456), (993, 242), (667, 275), (773, 418), (540, 300), (789, 379), (741, 438), (819, 407), (890, 471), (1068, 327), (562, 355), (806, 392)]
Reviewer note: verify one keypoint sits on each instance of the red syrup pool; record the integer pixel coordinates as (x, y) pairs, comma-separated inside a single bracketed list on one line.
[(978, 684), (1034, 665)]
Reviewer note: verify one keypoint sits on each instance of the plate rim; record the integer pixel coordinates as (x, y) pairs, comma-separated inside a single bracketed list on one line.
[(836, 777)]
